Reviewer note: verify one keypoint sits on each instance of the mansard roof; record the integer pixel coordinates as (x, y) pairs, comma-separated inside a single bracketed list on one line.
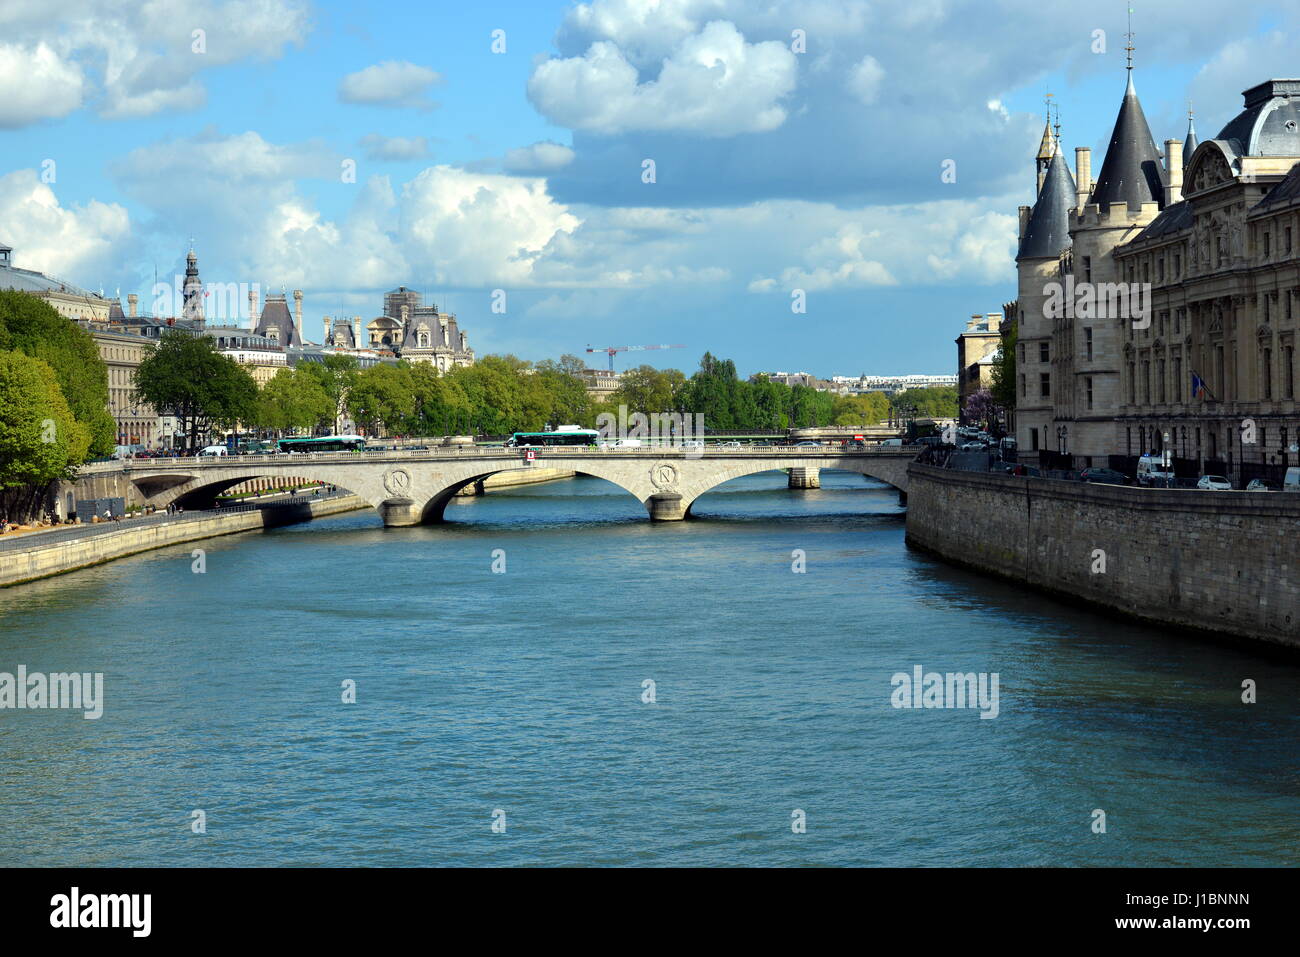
[(1132, 172), (1285, 193), (1270, 123), (1048, 230), (1170, 220)]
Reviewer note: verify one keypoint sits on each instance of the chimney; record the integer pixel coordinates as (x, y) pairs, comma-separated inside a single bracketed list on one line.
[(1083, 174), (1024, 220), (1174, 169), (252, 307), (356, 331), (974, 321), (132, 302), (297, 315)]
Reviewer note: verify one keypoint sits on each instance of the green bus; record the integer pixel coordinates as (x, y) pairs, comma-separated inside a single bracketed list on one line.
[(561, 437), (324, 443)]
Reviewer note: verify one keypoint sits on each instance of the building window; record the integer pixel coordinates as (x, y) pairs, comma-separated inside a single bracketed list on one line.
[(1087, 342), (1087, 382), (1160, 378), (1146, 381), (1132, 384), (1087, 269), (1043, 352), (1160, 269), (1268, 243), (1288, 376), (1045, 384), (1287, 245), (1268, 373), (1178, 379), (1178, 265)]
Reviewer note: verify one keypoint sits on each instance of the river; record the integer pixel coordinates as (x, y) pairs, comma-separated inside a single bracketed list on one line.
[(517, 697)]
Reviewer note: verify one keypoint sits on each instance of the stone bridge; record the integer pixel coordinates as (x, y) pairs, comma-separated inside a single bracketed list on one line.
[(414, 487)]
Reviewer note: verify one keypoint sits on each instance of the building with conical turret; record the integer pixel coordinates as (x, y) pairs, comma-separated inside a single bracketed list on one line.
[(1164, 314)]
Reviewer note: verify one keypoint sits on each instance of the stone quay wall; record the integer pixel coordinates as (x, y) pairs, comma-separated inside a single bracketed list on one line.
[(101, 544), (1220, 562)]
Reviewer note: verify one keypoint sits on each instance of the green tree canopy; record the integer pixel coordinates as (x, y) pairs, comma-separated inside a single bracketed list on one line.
[(33, 327), (293, 399), (40, 438), (185, 376)]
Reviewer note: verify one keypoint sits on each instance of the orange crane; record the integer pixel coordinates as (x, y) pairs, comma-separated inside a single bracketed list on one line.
[(611, 350)]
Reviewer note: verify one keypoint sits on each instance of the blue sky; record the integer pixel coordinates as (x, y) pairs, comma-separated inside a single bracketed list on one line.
[(776, 168)]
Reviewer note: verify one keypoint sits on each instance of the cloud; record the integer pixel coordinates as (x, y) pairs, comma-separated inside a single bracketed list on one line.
[(865, 80), (395, 148), (884, 94), (391, 83), (713, 83), (36, 84), (128, 59), (82, 241), (540, 157)]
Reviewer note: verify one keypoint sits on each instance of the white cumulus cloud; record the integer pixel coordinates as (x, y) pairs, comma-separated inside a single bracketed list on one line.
[(391, 83), (713, 83)]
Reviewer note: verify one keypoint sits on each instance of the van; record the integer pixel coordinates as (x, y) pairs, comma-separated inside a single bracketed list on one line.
[(892, 444), (212, 450), (1292, 481), (1152, 471)]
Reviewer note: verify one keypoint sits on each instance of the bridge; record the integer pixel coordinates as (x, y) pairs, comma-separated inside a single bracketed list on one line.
[(414, 487)]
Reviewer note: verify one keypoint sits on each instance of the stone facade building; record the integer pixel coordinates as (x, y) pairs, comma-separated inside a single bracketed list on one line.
[(411, 330), (977, 347), (1173, 270), (68, 300), (1224, 270)]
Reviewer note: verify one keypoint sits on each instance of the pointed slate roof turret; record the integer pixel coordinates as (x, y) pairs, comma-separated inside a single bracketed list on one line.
[(1190, 144), (1048, 231), (1132, 172)]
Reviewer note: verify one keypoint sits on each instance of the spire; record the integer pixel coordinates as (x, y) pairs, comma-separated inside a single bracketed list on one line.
[(1132, 171), (1048, 230), (1190, 144)]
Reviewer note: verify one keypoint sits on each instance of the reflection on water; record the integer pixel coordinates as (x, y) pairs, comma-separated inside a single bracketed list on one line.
[(522, 691)]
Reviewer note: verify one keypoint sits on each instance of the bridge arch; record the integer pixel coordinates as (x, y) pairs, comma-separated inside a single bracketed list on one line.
[(891, 471), (433, 509)]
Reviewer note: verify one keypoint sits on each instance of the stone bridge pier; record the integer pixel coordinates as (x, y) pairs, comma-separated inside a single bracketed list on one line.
[(805, 477)]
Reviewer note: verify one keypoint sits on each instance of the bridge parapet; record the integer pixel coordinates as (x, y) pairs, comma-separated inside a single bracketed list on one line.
[(413, 486)]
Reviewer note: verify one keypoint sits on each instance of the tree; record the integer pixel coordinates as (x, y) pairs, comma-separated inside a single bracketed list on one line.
[(336, 376), (185, 376), (40, 439), (939, 402), (293, 399), (382, 399), (981, 409), (34, 328), (1004, 372)]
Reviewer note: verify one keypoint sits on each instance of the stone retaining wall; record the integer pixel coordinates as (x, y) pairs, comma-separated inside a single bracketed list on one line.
[(1223, 562), (42, 561)]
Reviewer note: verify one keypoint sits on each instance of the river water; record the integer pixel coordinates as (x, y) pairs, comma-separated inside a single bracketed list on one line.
[(517, 697)]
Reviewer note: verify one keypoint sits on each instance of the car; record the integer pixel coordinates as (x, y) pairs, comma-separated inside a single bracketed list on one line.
[(1259, 485), (1216, 483), (807, 444), (972, 447), (729, 445), (1103, 476)]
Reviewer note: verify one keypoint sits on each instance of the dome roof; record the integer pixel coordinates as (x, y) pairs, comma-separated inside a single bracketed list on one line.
[(1270, 123)]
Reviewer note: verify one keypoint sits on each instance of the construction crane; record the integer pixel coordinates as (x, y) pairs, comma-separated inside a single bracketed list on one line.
[(610, 350)]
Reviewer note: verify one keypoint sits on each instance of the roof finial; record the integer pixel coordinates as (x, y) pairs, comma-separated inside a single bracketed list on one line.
[(1128, 48), (1058, 127)]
